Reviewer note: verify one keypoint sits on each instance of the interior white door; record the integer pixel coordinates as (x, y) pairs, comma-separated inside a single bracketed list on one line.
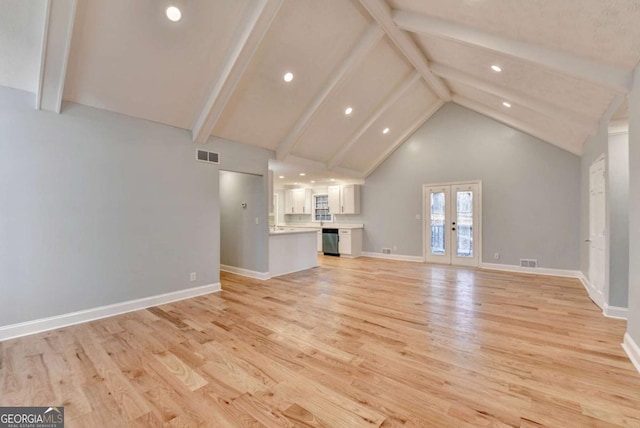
[(597, 225), (452, 232)]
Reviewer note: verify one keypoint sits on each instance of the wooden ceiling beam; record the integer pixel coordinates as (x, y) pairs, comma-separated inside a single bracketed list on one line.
[(258, 20), (364, 46), (56, 45), (395, 95), (580, 121), (614, 78), (514, 123), (381, 12), (433, 109)]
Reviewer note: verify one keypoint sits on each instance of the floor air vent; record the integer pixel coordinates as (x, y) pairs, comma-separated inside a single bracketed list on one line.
[(528, 263), (204, 156), (386, 251)]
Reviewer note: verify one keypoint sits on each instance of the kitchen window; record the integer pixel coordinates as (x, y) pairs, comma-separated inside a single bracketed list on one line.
[(321, 208)]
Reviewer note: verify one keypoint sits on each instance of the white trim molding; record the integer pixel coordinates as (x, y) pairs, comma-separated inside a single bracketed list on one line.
[(536, 271), (632, 349), (399, 257), (615, 312), (596, 296), (51, 323), (245, 272)]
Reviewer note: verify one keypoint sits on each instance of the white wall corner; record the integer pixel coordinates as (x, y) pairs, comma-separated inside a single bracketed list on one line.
[(399, 257), (245, 272), (632, 349), (51, 323)]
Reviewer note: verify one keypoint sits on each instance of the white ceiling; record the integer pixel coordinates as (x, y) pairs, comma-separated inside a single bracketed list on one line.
[(218, 71)]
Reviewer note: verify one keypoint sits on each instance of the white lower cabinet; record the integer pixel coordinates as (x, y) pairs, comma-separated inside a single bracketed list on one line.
[(320, 241), (350, 242)]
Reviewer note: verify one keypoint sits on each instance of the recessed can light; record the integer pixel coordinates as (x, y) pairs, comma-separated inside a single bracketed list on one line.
[(506, 104), (348, 111), (288, 77), (173, 13), (496, 68), (313, 181), (332, 179), (385, 131), (282, 176), (302, 174)]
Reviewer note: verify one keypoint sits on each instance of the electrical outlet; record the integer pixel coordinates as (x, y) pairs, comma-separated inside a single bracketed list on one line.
[(496, 256), (417, 216), (193, 276), (257, 220), (395, 248)]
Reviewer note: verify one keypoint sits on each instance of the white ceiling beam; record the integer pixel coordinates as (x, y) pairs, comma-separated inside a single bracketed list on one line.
[(258, 20), (364, 46), (56, 45), (386, 104), (514, 123), (321, 166), (382, 14), (614, 78), (583, 122), (406, 134)]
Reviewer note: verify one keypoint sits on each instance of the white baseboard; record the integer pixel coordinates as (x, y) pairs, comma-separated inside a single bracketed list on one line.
[(596, 296), (393, 257), (615, 312), (632, 349), (537, 271), (44, 324), (245, 272)]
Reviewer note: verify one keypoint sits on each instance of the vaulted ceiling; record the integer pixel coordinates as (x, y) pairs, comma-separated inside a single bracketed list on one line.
[(219, 70)]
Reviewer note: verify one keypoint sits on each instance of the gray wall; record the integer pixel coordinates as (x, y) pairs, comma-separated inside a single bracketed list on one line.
[(99, 208), (530, 189), (618, 198), (633, 320), (242, 241)]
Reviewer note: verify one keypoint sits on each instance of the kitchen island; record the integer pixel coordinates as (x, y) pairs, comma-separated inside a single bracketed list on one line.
[(292, 250)]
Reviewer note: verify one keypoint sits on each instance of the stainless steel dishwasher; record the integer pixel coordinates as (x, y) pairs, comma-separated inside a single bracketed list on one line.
[(330, 242)]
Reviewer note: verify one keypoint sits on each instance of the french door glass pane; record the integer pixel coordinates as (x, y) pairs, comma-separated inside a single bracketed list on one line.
[(464, 224), (437, 223)]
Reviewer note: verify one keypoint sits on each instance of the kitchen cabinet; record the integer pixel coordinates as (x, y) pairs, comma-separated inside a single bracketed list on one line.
[(344, 199), (350, 242), (297, 201), (320, 241), (334, 199)]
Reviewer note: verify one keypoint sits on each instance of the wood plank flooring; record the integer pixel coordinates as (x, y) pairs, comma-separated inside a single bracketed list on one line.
[(352, 343)]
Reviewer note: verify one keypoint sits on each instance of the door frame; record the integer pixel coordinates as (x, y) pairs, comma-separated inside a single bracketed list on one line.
[(426, 211)]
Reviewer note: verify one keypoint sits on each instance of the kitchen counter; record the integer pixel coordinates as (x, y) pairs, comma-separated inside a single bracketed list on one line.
[(328, 225), (292, 250)]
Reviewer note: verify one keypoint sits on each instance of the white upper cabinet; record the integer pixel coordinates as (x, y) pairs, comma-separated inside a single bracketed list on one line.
[(297, 201), (334, 199), (350, 199)]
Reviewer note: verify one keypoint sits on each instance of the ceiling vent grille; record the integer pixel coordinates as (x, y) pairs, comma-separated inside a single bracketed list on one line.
[(210, 157)]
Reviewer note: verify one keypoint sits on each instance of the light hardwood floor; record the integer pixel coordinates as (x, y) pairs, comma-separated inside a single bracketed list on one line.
[(351, 343)]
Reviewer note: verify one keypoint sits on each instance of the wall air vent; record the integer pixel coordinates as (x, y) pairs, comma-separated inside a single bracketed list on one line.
[(528, 263), (210, 157), (386, 251)]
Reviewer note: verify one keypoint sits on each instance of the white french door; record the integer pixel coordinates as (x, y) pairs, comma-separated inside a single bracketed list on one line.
[(597, 225), (452, 226)]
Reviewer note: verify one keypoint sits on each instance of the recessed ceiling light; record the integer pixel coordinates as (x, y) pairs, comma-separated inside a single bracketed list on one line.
[(288, 76), (385, 131), (506, 104), (348, 111), (332, 179), (282, 176), (313, 181), (496, 68), (295, 182), (302, 174), (173, 13)]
